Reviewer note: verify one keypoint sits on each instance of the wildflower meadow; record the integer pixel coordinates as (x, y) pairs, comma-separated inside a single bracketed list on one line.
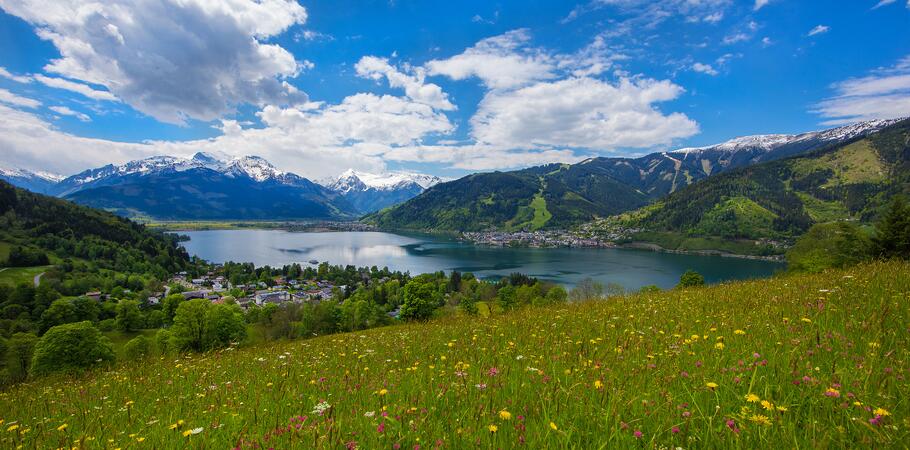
[(796, 361)]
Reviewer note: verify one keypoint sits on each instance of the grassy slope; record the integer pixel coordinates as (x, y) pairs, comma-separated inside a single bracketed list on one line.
[(644, 361), (15, 275)]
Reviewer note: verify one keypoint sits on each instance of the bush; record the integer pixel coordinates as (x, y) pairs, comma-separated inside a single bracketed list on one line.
[(162, 341), (26, 257), (199, 325), (137, 347), (71, 347), (691, 279), (19, 350), (829, 245), (107, 325)]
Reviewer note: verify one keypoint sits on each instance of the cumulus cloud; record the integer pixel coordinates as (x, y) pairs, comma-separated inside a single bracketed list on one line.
[(503, 61), (819, 29), (414, 85), (581, 113), (66, 111), (883, 94), (759, 4), (16, 100), (171, 60)]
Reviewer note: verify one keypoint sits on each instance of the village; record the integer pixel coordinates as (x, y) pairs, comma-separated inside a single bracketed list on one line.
[(584, 236), (216, 288)]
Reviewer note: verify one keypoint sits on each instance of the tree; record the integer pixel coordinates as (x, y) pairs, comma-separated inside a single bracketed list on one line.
[(557, 294), (129, 318), (829, 245), (137, 347), (188, 332), (60, 312), (70, 347), (586, 289), (19, 350), (223, 325), (691, 278), (892, 237), (169, 306), (421, 298)]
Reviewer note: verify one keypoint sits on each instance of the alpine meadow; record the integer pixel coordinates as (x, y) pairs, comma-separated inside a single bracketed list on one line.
[(594, 224)]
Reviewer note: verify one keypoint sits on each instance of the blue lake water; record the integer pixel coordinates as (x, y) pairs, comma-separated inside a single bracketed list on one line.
[(419, 254)]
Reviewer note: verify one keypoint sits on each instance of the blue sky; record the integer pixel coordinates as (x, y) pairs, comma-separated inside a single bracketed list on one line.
[(439, 87)]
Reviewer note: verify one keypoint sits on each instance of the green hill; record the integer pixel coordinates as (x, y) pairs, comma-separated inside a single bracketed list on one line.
[(808, 361), (80, 240), (564, 195), (782, 199)]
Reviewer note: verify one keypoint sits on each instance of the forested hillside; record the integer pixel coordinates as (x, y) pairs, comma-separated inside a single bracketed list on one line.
[(563, 195), (63, 230), (782, 199)]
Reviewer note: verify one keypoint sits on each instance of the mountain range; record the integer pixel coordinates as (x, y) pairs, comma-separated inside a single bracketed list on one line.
[(210, 188), (564, 195)]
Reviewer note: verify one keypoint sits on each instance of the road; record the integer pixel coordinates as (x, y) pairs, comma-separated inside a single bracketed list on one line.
[(38, 279)]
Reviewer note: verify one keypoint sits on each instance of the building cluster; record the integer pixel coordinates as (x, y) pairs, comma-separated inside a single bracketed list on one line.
[(216, 288), (539, 239)]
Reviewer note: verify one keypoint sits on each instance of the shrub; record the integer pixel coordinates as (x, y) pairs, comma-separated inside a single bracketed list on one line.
[(137, 347), (691, 279), (162, 341), (829, 245), (129, 317), (19, 350), (70, 347)]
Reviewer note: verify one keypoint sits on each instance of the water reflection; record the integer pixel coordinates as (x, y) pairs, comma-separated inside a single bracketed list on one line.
[(419, 254)]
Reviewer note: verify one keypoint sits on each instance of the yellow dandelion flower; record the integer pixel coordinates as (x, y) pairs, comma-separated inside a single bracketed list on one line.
[(13, 427), (806, 319), (383, 391), (711, 385), (598, 384), (760, 419), (187, 432), (739, 332), (752, 398), (782, 408), (719, 345), (881, 412), (553, 426), (505, 415), (493, 428), (62, 427), (140, 439), (767, 405)]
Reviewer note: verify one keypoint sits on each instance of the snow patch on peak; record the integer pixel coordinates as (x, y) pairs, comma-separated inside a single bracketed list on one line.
[(254, 167), (353, 180), (25, 173)]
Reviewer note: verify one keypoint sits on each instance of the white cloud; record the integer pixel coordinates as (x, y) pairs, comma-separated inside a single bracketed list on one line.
[(17, 78), (736, 37), (885, 3), (12, 99), (66, 111), (79, 88), (759, 4), (500, 62), (766, 41), (581, 113), (704, 68), (714, 17), (648, 14), (883, 94), (172, 60), (414, 85), (819, 29)]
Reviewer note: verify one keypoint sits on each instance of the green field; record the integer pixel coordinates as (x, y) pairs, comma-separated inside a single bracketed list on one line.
[(14, 275), (808, 361)]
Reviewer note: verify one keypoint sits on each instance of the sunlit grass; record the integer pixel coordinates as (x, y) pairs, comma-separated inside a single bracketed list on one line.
[(802, 361)]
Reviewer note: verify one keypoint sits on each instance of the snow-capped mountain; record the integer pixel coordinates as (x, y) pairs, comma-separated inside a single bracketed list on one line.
[(252, 167), (772, 142), (371, 192), (35, 181)]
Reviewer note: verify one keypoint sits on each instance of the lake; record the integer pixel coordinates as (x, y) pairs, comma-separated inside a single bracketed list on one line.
[(419, 254)]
